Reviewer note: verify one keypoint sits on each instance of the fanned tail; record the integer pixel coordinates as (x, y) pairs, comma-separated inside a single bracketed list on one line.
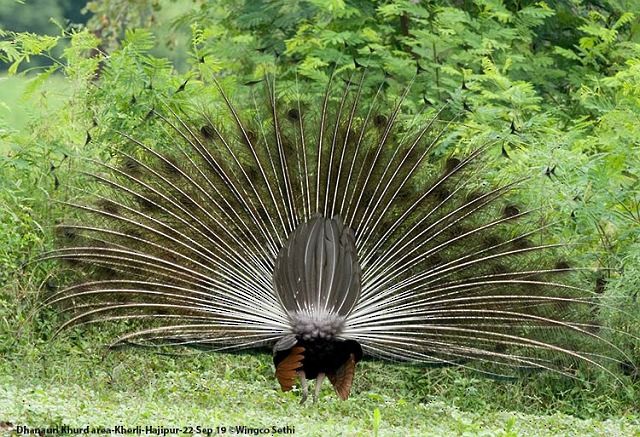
[(184, 232)]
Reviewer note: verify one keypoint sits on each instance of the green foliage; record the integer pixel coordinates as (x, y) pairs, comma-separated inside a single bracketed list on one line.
[(21, 17), (556, 87), (37, 18)]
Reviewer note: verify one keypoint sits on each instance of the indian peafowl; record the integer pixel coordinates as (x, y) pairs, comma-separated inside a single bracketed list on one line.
[(324, 232)]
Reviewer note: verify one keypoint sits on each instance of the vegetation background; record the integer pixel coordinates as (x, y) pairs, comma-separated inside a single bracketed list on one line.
[(558, 82)]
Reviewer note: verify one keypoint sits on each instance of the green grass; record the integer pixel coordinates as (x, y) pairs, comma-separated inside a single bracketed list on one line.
[(20, 105), (11, 110), (72, 381)]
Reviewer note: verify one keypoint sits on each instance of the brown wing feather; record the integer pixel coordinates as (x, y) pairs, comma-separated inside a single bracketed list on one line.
[(343, 378), (286, 369)]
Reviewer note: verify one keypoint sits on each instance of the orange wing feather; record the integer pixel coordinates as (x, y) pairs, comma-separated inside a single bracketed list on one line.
[(286, 369), (343, 378)]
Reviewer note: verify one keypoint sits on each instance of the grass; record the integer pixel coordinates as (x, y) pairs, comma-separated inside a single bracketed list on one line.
[(19, 105), (73, 381), (12, 111)]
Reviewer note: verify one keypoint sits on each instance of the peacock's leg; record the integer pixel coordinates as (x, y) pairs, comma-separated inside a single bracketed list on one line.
[(305, 386), (316, 390)]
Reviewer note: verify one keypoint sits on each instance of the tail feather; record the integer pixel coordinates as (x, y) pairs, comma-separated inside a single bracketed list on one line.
[(194, 233)]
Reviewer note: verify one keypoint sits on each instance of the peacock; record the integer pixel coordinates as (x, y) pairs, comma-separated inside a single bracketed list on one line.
[(325, 230)]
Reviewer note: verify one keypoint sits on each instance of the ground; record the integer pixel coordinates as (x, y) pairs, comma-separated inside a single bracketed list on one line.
[(77, 384)]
